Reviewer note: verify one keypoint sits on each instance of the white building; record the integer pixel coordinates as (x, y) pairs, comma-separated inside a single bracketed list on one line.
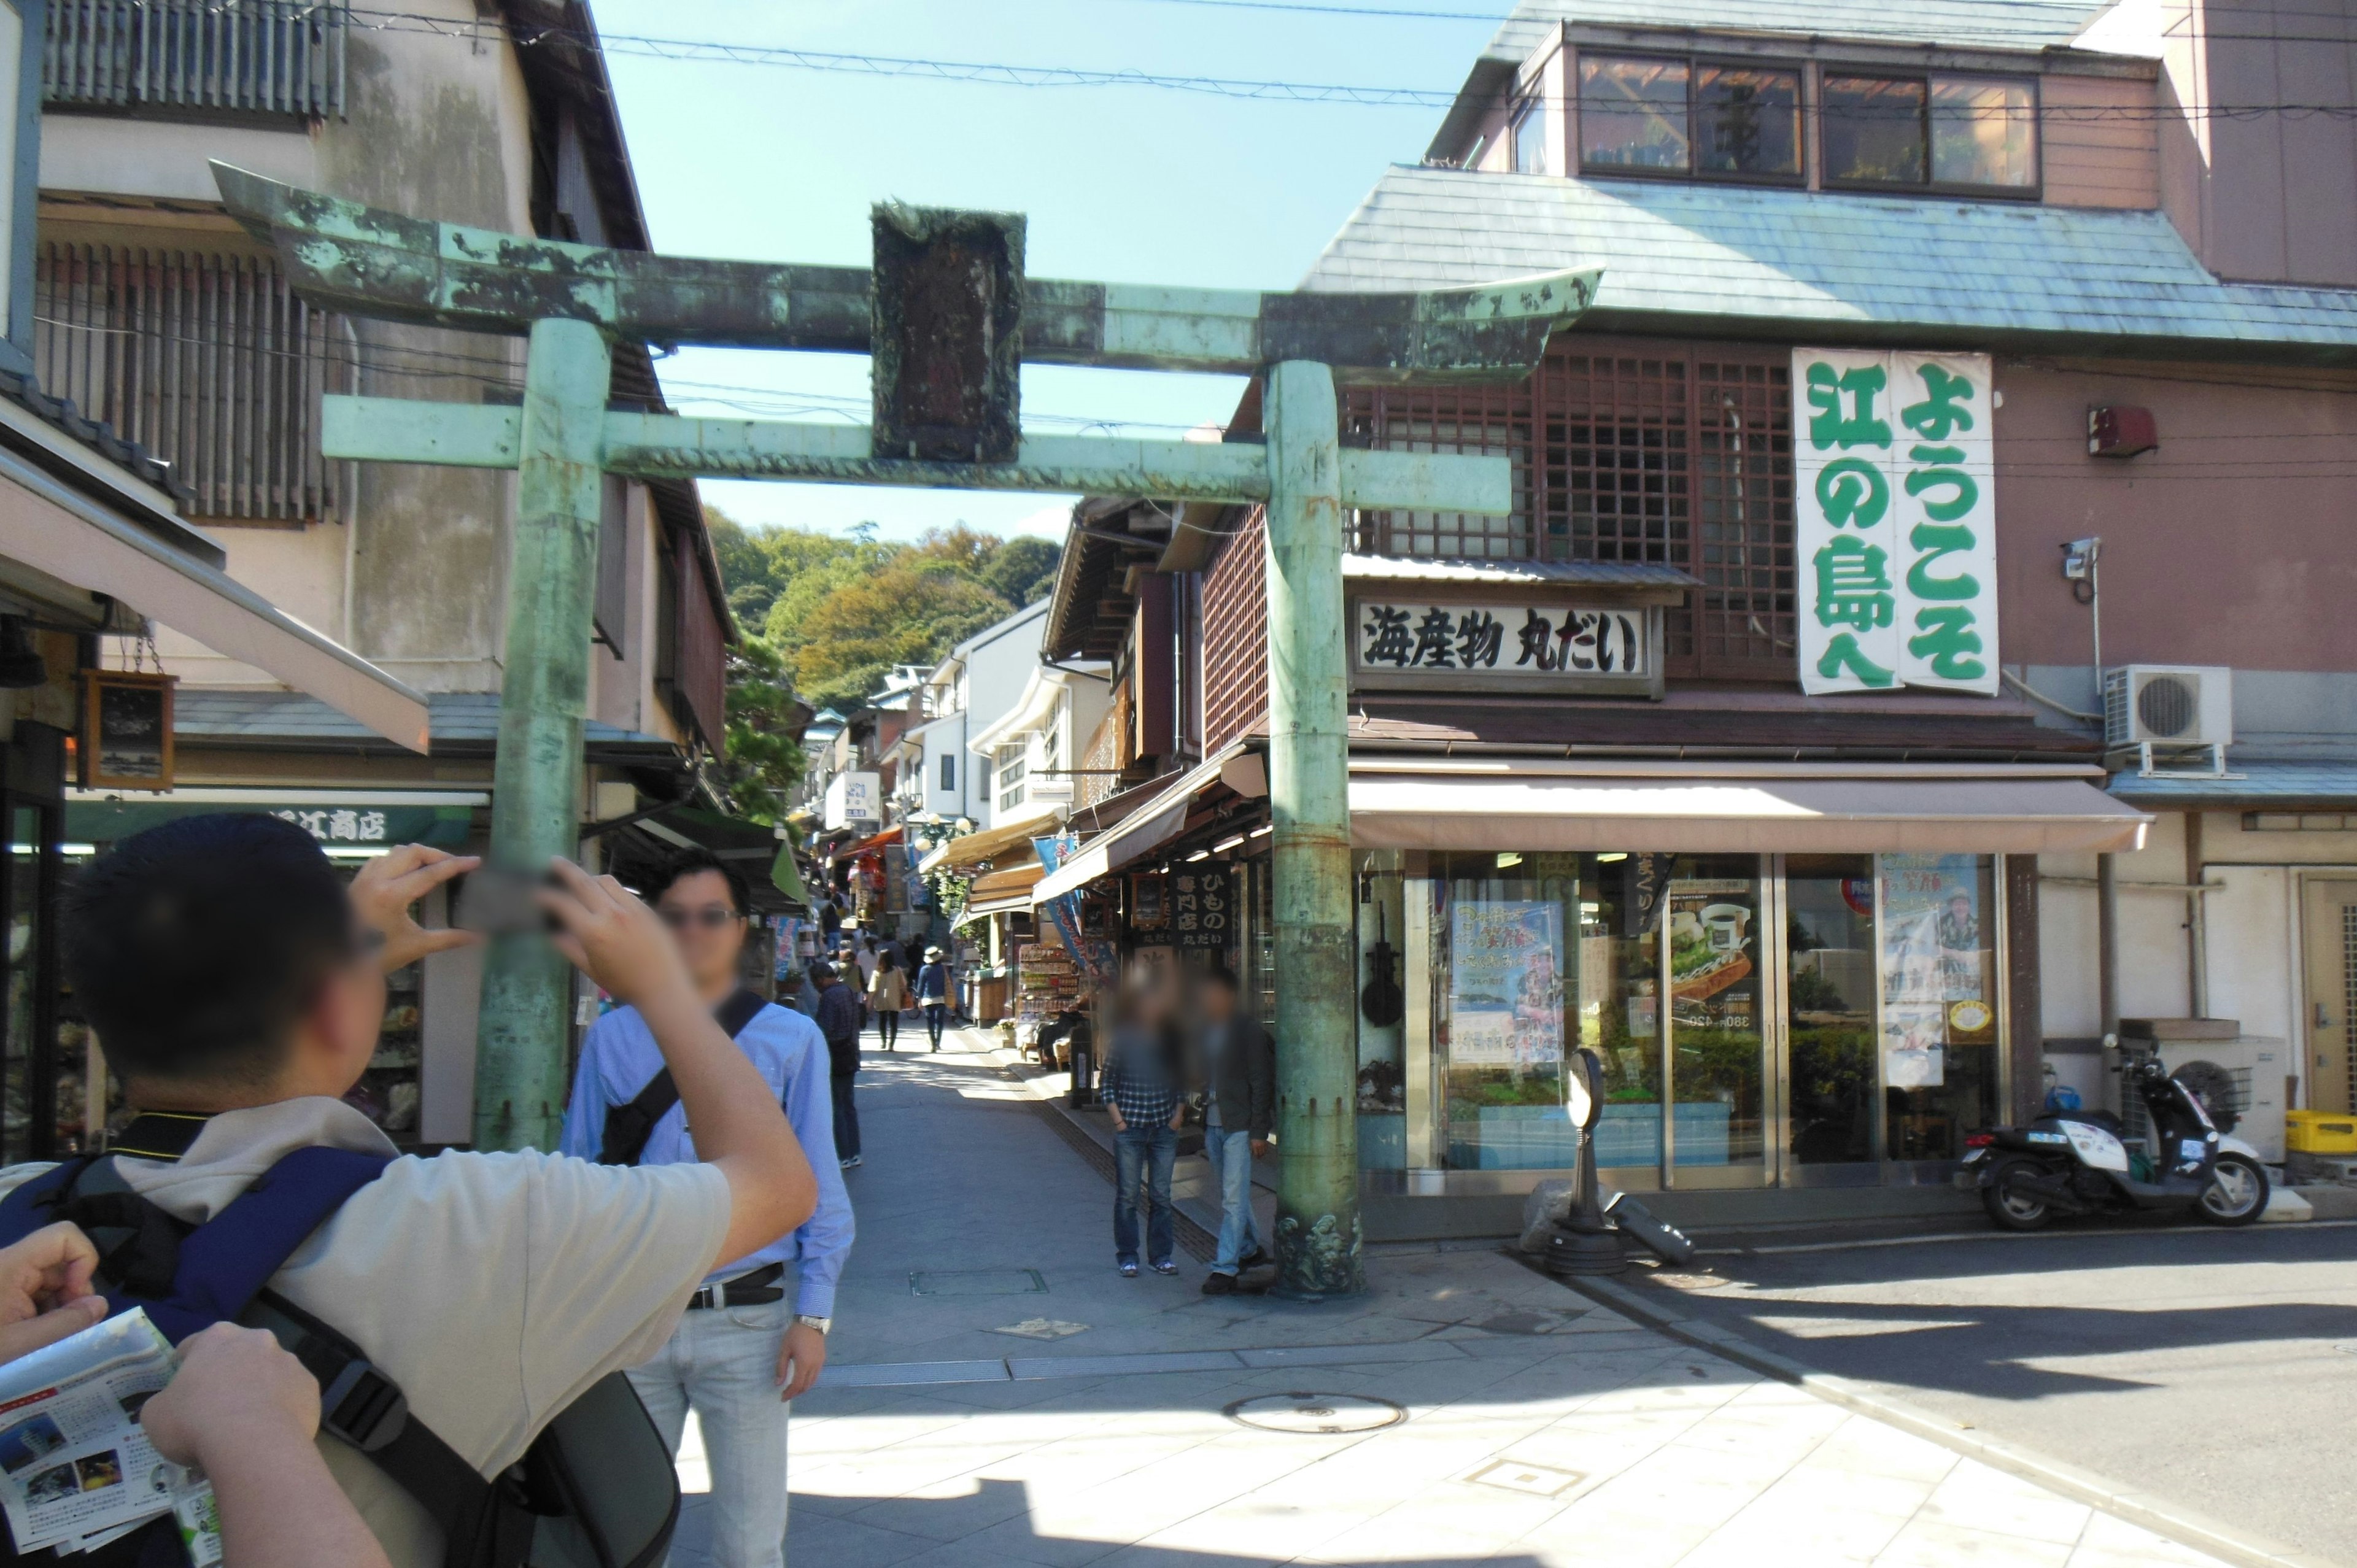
[(980, 681), (1026, 761)]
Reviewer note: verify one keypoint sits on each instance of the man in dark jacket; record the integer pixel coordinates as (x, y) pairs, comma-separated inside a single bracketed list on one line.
[(1239, 1074), (838, 1020)]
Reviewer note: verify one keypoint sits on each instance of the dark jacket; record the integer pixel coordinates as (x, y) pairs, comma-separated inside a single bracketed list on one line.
[(838, 1020), (1244, 1089), (933, 983)]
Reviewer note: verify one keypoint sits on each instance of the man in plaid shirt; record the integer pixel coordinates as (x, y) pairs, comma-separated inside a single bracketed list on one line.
[(1140, 1088)]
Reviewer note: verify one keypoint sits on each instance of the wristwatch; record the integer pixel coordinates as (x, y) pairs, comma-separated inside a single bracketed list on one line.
[(808, 1320)]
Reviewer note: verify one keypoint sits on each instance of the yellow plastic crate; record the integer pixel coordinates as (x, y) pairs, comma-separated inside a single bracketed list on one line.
[(2320, 1132)]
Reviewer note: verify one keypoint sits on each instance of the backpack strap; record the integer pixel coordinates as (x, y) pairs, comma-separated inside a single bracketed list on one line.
[(628, 1126)]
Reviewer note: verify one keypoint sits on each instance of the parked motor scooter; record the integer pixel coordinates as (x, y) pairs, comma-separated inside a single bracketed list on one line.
[(2076, 1162)]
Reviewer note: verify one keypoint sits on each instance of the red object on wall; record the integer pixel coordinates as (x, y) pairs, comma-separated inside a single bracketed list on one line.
[(2121, 430)]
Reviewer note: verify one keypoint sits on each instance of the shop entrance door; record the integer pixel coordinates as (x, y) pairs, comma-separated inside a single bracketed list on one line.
[(2329, 937), (1718, 930)]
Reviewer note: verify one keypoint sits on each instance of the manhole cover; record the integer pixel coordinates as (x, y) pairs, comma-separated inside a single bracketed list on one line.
[(1538, 1480), (1690, 1282), (978, 1282), (1316, 1414)]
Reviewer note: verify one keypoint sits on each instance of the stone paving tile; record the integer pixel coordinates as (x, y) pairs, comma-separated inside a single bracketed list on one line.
[(1683, 1461)]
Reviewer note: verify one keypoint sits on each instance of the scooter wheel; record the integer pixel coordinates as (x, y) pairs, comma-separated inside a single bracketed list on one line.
[(2015, 1207), (2237, 1193)]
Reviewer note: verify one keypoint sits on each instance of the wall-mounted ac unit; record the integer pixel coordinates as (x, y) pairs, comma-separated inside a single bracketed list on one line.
[(2179, 717)]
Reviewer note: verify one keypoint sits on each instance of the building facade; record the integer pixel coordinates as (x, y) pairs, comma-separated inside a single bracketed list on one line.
[(159, 314), (1926, 411)]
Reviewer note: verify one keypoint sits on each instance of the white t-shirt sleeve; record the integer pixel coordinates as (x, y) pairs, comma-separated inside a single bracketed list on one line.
[(612, 1252)]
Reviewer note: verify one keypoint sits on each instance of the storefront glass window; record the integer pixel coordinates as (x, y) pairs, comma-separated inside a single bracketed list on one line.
[(1718, 1070), (1505, 1007), (1939, 964), (1618, 1002), (1829, 938)]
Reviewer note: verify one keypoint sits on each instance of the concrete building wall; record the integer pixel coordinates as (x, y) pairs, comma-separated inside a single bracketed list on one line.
[(2228, 545)]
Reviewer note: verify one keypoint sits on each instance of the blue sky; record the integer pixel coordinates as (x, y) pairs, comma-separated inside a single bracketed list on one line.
[(1129, 184)]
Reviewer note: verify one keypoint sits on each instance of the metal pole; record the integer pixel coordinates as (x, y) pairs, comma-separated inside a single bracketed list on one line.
[(2107, 946), (544, 694), (1317, 1230)]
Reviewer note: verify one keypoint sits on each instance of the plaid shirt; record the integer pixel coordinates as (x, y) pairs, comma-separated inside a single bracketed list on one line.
[(1138, 1082)]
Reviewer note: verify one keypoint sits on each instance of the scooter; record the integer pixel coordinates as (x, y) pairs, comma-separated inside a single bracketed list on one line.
[(2077, 1162)]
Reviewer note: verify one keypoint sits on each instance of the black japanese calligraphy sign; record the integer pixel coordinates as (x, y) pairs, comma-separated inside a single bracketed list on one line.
[(1397, 638), (1201, 903)]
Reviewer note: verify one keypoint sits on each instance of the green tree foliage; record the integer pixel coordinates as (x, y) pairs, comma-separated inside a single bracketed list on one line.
[(763, 762), (837, 612)]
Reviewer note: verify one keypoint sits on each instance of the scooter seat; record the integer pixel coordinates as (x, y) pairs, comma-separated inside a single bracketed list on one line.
[(2106, 1119)]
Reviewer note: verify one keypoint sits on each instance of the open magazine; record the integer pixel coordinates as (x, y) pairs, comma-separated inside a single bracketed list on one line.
[(76, 1469)]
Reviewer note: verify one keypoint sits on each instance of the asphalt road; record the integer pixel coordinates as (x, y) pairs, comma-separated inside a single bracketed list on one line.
[(2216, 1366)]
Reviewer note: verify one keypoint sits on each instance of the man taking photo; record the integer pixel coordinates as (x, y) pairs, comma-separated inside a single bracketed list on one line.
[(748, 1344)]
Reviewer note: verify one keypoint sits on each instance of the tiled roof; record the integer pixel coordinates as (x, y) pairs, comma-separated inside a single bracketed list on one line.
[(2259, 786), (462, 718), (1959, 24), (96, 434), (1926, 271)]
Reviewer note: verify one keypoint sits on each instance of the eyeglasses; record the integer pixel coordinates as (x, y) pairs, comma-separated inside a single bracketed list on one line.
[(712, 917)]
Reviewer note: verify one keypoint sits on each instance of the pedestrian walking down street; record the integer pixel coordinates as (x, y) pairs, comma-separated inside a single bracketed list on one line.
[(1238, 1072), (838, 1020), (888, 996), (748, 1344), (1140, 1085), (933, 993)]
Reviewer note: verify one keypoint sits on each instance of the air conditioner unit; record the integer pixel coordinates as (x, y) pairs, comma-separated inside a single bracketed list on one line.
[(2171, 718)]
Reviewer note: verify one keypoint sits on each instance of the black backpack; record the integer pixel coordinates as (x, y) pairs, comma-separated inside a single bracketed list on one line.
[(596, 1489)]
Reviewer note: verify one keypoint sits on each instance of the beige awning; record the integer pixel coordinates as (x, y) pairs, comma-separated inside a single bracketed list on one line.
[(1497, 805), (1002, 890), (960, 855), (56, 529), (1140, 833)]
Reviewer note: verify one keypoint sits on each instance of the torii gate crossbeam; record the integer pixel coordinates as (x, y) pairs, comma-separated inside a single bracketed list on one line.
[(573, 301)]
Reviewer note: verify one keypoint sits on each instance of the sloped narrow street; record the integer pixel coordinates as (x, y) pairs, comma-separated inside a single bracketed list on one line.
[(999, 1395)]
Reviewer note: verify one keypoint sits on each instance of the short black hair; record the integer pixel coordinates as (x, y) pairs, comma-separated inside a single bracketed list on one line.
[(193, 948), (820, 970), (1223, 977), (694, 863)]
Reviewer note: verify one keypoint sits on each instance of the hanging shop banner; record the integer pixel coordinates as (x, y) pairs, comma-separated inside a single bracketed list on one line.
[(1895, 501), (1202, 904), (1094, 955), (1505, 982), (1938, 970)]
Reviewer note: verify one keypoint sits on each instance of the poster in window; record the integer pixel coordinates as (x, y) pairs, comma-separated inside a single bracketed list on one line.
[(1713, 936), (1937, 985), (1505, 982), (126, 733), (1147, 910)]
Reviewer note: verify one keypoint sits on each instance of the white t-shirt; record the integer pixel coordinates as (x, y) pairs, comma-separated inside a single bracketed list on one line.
[(493, 1288)]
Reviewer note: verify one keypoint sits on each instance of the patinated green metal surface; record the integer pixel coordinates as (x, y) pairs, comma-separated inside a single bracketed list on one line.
[(1318, 1228), (663, 446), (544, 698), (375, 262)]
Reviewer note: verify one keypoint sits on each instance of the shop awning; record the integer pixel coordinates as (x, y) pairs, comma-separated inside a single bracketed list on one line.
[(1529, 804), (868, 845), (1143, 832), (960, 855), (56, 529), (1001, 891), (751, 846)]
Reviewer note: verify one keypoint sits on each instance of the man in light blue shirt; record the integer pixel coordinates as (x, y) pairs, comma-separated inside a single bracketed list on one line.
[(752, 1339)]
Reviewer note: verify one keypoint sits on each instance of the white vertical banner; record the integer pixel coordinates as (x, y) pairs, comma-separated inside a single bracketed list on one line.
[(1944, 493), (1845, 525), (1895, 502)]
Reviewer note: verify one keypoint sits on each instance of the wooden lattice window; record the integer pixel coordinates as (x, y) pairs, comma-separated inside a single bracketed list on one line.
[(1665, 453)]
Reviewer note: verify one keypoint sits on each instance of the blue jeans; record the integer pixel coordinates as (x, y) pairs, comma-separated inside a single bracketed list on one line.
[(1230, 1157), (936, 1015), (846, 1116), (1143, 1157), (722, 1363)]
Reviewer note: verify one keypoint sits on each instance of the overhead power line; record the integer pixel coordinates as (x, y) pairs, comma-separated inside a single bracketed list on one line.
[(1005, 74)]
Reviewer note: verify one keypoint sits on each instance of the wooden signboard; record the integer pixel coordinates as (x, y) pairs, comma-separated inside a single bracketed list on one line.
[(126, 730)]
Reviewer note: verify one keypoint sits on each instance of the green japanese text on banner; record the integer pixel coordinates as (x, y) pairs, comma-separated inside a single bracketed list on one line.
[(1895, 502)]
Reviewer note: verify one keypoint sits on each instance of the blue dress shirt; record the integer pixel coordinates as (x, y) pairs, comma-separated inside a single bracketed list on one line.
[(620, 1059)]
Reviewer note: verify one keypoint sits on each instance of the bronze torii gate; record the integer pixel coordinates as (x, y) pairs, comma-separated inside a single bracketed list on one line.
[(947, 316)]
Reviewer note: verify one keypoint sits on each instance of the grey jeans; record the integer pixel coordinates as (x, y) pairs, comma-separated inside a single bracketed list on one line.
[(723, 1363)]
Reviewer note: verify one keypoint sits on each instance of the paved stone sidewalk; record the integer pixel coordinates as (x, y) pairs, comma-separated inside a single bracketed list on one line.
[(1534, 1427)]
